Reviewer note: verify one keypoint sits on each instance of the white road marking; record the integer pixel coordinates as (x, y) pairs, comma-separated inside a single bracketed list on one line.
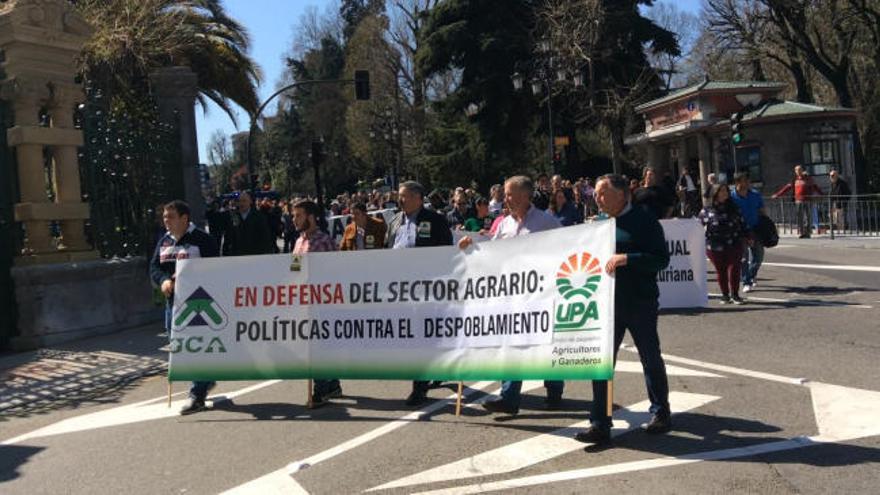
[(282, 479), (845, 413), (636, 367), (626, 467), (724, 369), (800, 302), (543, 447), (842, 414), (842, 268), (147, 410)]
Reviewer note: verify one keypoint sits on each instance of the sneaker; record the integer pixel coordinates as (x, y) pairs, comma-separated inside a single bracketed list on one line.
[(193, 405), (747, 288), (500, 406), (737, 300), (658, 424), (435, 384), (594, 435), (725, 299), (416, 398)]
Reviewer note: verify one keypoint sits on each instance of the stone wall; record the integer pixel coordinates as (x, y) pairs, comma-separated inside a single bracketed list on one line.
[(67, 301)]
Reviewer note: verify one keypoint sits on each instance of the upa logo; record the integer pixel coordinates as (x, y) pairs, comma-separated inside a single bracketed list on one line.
[(577, 279), (200, 310)]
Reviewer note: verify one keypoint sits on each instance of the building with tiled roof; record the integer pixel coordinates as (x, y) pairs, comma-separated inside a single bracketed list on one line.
[(691, 127)]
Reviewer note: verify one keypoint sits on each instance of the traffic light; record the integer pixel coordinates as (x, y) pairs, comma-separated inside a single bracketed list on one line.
[(736, 128), (362, 84)]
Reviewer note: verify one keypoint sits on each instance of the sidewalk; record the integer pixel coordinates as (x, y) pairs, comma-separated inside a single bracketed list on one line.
[(98, 369), (824, 240)]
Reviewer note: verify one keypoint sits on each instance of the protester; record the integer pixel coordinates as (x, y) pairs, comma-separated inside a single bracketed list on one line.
[(524, 218), (640, 254), (541, 198), (313, 240), (563, 209), (840, 195), (689, 195), (726, 234), (416, 226), (653, 195), (751, 206), (460, 212), (482, 219), (248, 232), (364, 231), (181, 241), (803, 190), (289, 234), (496, 193)]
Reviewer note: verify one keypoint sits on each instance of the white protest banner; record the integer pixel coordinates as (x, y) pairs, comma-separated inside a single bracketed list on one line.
[(533, 307), (683, 283)]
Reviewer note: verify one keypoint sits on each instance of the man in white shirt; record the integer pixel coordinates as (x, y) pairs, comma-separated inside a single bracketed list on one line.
[(524, 219)]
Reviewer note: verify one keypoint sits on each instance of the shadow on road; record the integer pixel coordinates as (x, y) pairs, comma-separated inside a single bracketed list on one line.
[(12, 457)]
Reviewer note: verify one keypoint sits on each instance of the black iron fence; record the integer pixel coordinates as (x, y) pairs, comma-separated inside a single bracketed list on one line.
[(835, 216), (128, 168)]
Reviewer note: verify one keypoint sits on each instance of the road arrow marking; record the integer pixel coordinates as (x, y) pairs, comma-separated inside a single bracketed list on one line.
[(147, 410), (281, 480), (845, 413), (543, 447)]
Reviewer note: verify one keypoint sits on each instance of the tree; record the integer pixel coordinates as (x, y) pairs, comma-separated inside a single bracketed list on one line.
[(134, 37), (685, 26)]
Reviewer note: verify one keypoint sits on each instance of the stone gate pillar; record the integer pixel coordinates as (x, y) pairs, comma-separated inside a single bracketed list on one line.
[(175, 89), (40, 40)]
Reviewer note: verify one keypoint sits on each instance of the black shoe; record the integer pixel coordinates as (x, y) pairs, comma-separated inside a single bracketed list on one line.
[(193, 405), (335, 393), (318, 401), (435, 384), (737, 300), (499, 406), (658, 424), (594, 435), (416, 398), (725, 299), (552, 403)]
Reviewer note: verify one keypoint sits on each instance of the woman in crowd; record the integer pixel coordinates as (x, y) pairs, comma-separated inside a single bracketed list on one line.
[(563, 209), (726, 236)]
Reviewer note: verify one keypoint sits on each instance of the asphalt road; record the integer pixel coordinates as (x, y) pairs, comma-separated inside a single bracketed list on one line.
[(781, 395)]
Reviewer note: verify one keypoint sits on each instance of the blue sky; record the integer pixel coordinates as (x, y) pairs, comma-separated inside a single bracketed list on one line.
[(271, 24)]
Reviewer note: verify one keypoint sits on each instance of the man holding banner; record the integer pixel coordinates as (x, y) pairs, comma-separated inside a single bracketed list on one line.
[(416, 226), (181, 241), (313, 240), (641, 254), (524, 219)]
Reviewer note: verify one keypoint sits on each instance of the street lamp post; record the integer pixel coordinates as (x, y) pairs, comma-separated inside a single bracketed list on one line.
[(544, 68)]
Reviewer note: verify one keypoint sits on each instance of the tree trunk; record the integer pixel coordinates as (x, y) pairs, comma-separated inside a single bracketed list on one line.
[(802, 83)]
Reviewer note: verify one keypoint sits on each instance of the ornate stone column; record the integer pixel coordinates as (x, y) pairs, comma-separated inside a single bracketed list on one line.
[(175, 90), (40, 39)]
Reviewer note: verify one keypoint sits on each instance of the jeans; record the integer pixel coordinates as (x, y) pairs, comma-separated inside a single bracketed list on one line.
[(641, 319), (803, 219), (753, 256), (511, 391), (197, 390)]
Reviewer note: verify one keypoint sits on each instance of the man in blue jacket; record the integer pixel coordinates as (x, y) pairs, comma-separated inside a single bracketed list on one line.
[(640, 252), (181, 241)]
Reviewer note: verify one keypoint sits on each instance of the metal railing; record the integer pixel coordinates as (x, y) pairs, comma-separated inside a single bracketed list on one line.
[(835, 216)]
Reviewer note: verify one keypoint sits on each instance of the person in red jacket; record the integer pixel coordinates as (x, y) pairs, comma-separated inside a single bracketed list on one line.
[(804, 191)]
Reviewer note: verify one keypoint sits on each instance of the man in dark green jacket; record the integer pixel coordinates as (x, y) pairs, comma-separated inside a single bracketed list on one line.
[(640, 254)]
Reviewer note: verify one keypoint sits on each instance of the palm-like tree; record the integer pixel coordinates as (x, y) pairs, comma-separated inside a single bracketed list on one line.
[(134, 37)]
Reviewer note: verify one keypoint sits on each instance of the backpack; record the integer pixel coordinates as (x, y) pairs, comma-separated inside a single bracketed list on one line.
[(766, 231)]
